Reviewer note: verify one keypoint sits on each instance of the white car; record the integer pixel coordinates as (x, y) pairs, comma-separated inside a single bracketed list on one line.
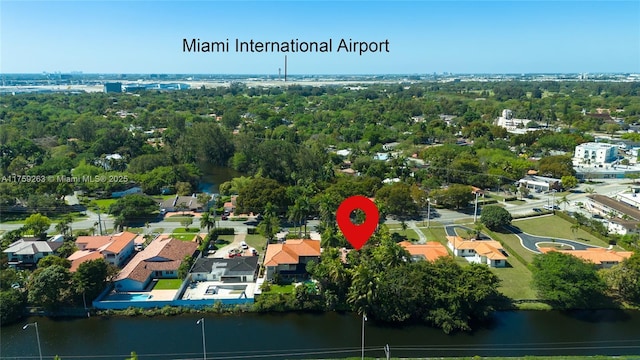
[(244, 245)]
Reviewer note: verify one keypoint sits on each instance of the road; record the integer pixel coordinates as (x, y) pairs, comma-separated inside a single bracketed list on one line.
[(445, 217)]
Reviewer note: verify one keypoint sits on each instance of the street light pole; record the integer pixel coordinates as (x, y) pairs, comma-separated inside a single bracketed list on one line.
[(428, 213), (35, 324), (364, 318), (475, 211), (204, 346)]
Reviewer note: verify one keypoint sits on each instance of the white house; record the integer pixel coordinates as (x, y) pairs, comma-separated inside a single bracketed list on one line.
[(238, 269), (489, 252)]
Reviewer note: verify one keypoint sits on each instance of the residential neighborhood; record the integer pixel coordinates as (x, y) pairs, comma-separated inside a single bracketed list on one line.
[(487, 206)]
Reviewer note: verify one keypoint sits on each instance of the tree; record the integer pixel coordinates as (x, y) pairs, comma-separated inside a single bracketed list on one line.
[(185, 266), (254, 196), (566, 281), (556, 166), (91, 278), (624, 279), (207, 221), (270, 224), (569, 182), (186, 222), (397, 200), (134, 208), (38, 224), (49, 286), (64, 225), (11, 306), (524, 191), (51, 260), (495, 217), (456, 196), (203, 199)]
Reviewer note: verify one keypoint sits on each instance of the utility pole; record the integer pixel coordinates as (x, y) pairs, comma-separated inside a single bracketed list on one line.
[(428, 213), (475, 211), (99, 222)]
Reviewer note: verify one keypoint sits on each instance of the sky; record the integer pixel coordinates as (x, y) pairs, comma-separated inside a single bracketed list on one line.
[(424, 37)]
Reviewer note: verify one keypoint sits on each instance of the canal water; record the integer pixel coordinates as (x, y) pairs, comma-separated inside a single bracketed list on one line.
[(213, 176), (297, 336)]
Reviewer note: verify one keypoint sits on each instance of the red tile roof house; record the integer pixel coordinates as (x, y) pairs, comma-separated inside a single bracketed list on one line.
[(601, 257), (430, 251), (115, 249), (289, 260), (160, 259), (489, 252)]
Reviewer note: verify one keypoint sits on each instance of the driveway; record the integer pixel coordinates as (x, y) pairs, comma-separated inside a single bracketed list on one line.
[(527, 241)]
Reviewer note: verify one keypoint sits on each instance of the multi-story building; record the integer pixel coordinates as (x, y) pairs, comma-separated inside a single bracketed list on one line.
[(596, 153)]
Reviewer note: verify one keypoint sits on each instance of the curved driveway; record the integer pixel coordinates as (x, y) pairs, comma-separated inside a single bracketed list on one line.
[(528, 241)]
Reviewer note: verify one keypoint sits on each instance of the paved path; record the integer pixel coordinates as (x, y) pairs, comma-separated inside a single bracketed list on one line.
[(422, 239), (527, 241)]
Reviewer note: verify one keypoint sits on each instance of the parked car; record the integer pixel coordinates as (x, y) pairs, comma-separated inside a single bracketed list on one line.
[(537, 210), (244, 245), (224, 217)]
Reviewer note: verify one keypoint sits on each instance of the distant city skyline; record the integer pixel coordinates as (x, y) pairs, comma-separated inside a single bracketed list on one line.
[(424, 37)]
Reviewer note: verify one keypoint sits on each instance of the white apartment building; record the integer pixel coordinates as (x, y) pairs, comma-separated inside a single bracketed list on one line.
[(596, 153)]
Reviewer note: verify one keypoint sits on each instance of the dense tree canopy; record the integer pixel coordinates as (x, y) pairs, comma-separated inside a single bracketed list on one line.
[(566, 281), (495, 217)]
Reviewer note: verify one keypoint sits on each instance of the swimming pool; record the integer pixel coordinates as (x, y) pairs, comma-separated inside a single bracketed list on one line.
[(128, 297)]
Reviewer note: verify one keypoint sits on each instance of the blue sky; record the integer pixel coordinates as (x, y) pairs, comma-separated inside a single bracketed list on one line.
[(424, 36)]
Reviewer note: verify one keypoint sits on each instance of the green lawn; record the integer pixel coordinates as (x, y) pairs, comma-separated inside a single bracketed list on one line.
[(256, 241), (182, 234), (515, 280), (514, 243), (556, 227), (177, 218), (410, 234), (435, 234), (103, 204), (168, 284), (281, 289)]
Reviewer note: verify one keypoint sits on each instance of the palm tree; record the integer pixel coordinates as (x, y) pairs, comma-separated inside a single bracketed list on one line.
[(118, 223), (62, 227), (590, 190), (295, 215), (305, 208), (564, 200), (574, 230), (207, 221)]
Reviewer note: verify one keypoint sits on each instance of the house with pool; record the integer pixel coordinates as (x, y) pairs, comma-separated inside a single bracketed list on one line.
[(159, 260)]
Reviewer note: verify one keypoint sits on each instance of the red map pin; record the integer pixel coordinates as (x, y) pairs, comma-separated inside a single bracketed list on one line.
[(357, 235)]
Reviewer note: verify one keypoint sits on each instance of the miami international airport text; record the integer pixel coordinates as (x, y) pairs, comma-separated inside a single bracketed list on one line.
[(293, 46)]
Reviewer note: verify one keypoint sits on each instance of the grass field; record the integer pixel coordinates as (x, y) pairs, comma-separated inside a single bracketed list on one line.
[(168, 284), (184, 235), (515, 280), (103, 204), (514, 243), (256, 241), (556, 227), (281, 289), (177, 218), (410, 234)]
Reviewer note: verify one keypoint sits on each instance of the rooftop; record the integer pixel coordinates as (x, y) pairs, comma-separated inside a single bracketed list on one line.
[(161, 254), (594, 255), (291, 251), (430, 251)]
